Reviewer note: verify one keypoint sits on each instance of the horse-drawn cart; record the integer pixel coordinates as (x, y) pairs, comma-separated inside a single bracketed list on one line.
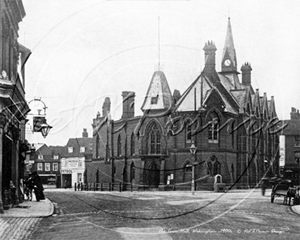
[(289, 186), (287, 190)]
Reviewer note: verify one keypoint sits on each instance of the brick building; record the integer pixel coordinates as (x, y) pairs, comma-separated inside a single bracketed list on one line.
[(13, 106), (234, 129), (47, 165)]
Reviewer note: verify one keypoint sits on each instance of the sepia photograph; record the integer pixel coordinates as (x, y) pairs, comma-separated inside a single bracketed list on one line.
[(149, 119)]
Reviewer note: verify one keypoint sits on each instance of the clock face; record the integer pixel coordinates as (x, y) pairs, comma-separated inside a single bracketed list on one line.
[(227, 62)]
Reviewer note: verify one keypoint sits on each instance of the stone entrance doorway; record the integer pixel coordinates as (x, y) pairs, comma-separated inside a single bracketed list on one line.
[(151, 175)]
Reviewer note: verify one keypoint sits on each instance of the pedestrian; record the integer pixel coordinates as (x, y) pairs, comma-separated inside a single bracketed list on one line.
[(38, 187), (65, 184)]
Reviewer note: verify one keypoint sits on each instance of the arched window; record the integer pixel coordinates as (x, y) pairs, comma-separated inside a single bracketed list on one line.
[(213, 166), (132, 144), (132, 172), (188, 132), (154, 140), (97, 146), (119, 146), (213, 135)]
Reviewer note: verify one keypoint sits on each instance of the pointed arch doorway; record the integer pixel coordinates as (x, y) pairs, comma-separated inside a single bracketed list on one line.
[(151, 175)]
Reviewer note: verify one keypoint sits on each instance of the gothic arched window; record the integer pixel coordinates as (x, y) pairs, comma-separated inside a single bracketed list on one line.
[(97, 146), (132, 144), (132, 172), (213, 135), (213, 166), (188, 131), (119, 146), (154, 139)]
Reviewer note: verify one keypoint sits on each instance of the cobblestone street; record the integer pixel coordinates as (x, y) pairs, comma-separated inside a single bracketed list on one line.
[(17, 228), (168, 215)]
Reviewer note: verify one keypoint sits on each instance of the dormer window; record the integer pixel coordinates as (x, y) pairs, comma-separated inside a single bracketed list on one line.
[(55, 157), (82, 149), (154, 100), (70, 149)]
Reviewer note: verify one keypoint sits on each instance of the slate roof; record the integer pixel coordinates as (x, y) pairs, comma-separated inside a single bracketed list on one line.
[(76, 143), (158, 87)]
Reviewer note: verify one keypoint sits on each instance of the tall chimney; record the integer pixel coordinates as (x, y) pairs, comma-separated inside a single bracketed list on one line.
[(246, 74), (128, 104), (210, 57), (106, 106)]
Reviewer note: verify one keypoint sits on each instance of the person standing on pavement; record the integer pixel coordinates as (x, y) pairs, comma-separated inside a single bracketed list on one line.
[(38, 187)]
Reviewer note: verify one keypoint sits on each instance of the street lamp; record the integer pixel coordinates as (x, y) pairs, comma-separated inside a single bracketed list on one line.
[(193, 150), (39, 120)]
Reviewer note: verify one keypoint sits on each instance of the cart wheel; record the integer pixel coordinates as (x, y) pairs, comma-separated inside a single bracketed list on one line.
[(272, 198)]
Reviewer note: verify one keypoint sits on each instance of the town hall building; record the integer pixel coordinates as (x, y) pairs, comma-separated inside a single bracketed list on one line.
[(219, 126)]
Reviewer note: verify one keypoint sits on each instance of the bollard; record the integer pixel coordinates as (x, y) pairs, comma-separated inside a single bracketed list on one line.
[(75, 187), (120, 187)]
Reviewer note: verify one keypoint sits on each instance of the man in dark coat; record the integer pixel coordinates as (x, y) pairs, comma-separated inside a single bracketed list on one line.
[(38, 187)]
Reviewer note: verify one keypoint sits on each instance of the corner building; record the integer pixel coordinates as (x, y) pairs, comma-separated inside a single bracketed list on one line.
[(234, 129)]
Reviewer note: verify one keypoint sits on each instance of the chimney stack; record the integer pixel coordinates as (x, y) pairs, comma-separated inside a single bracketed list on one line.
[(128, 104), (246, 74), (106, 107), (85, 133), (295, 114), (210, 57)]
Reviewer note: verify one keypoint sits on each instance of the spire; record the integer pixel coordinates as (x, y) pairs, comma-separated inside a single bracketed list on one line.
[(229, 62)]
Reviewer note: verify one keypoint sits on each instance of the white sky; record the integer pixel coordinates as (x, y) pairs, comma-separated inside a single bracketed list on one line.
[(86, 50)]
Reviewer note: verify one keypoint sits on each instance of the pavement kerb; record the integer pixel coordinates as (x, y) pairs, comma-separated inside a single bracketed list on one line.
[(30, 209), (296, 209)]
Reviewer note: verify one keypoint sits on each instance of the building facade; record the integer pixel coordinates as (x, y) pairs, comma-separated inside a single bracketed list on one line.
[(234, 129), (47, 165), (290, 143), (13, 106), (75, 154)]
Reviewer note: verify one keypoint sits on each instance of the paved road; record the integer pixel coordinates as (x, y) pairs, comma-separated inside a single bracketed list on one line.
[(167, 215)]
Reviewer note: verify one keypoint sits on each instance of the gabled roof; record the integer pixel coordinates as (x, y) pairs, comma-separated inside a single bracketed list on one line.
[(159, 96), (230, 80), (194, 95), (241, 97), (256, 109), (76, 143), (199, 92), (57, 150)]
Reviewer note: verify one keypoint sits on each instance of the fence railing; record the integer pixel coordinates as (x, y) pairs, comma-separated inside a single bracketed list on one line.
[(105, 187)]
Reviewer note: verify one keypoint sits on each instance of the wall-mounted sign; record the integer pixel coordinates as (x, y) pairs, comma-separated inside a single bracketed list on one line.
[(282, 151), (66, 171)]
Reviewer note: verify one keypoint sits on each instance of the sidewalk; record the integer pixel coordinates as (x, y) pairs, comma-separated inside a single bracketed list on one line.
[(30, 209)]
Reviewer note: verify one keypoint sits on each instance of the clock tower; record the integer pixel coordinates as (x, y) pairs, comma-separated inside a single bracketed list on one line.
[(229, 62)]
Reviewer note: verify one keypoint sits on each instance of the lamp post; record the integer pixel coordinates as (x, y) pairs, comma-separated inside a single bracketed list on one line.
[(193, 150)]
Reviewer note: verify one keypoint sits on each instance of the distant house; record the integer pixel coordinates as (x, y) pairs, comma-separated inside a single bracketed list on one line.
[(75, 153), (47, 164), (290, 142)]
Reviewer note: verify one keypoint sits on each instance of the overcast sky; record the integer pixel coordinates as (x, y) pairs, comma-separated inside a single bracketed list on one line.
[(86, 50)]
